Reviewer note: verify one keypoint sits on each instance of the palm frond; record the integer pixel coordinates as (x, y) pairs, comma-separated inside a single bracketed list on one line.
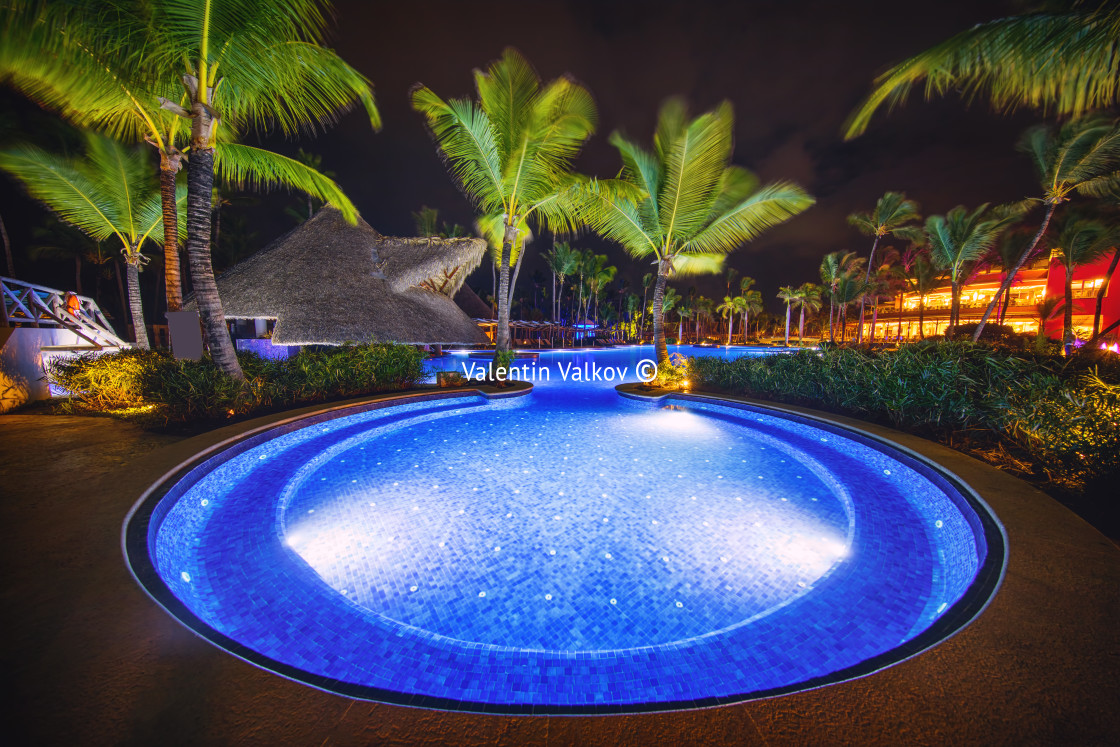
[(559, 121), (466, 139), (693, 169), (123, 178), (246, 167), (1065, 63), (735, 185), (300, 87), (610, 208), (697, 264), (769, 206), (67, 190), (506, 92), (672, 120), (639, 166)]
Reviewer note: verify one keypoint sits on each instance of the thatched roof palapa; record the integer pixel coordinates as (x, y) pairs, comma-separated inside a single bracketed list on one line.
[(473, 306), (327, 282)]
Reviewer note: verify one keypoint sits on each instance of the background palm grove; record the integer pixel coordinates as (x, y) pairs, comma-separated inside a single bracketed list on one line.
[(793, 72)]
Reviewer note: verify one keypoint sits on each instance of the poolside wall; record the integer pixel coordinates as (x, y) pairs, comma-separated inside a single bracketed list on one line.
[(22, 376)]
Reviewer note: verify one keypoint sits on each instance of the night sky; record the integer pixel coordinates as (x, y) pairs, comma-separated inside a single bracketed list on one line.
[(793, 71)]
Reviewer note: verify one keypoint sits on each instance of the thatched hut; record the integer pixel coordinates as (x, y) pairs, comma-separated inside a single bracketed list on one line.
[(327, 282)]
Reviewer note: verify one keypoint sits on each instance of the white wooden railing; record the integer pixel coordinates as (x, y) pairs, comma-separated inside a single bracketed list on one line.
[(28, 305)]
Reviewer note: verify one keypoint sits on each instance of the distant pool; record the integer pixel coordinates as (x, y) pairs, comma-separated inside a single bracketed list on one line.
[(568, 551)]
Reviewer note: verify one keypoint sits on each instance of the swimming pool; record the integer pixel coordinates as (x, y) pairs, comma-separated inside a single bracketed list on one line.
[(567, 551)]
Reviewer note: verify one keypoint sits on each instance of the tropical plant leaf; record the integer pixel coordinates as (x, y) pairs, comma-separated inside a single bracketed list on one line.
[(465, 137), (246, 167), (769, 206), (1065, 63), (692, 173)]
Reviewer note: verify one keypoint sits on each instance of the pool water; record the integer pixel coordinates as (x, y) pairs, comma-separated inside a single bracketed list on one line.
[(566, 550)]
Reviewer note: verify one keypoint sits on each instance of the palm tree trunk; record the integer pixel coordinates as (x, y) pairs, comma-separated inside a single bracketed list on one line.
[(502, 334), (494, 284), (1005, 304), (955, 306), (660, 348), (898, 331), (921, 315), (730, 326), (831, 311), (843, 323), (554, 304), (135, 306), (1067, 314), (1102, 333), (1007, 281), (200, 193), (516, 272), (7, 249), (168, 167), (874, 317), (1103, 290), (787, 324), (801, 326), (866, 279)]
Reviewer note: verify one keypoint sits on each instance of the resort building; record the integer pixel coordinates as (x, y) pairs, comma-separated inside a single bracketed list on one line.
[(1037, 281)]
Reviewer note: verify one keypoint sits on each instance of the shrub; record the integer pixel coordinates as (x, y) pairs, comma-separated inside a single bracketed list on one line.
[(184, 391), (108, 381), (1067, 418)]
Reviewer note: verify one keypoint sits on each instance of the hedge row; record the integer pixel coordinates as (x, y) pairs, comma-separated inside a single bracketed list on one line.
[(188, 391), (1066, 415)]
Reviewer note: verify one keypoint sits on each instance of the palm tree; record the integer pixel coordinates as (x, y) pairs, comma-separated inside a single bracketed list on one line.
[(683, 312), (788, 294), (850, 288), (1045, 309), (702, 310), (891, 215), (1011, 246), (728, 309), (751, 304), (599, 274), (882, 283), (148, 70), (563, 261), (511, 152), (1061, 62), (836, 269), (808, 297), (109, 192), (634, 308), (1081, 241), (683, 204), (957, 240), (1082, 155)]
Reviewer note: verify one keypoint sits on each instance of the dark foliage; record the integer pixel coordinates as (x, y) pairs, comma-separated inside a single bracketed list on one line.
[(1064, 414)]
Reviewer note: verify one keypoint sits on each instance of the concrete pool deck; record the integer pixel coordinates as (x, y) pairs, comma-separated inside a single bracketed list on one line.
[(89, 658)]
